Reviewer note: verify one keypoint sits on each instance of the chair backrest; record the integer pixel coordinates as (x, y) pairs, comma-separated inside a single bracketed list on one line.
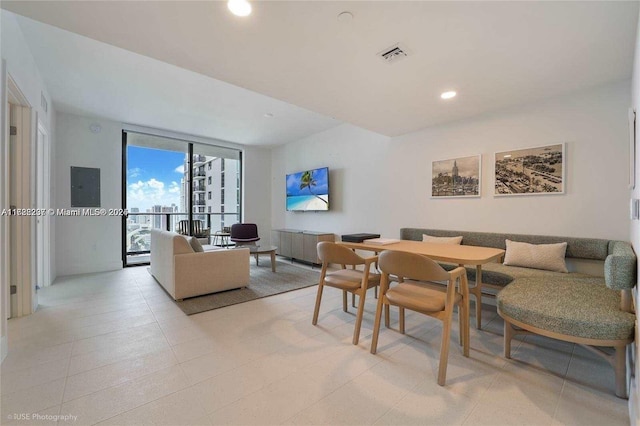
[(183, 227), (329, 252), (244, 232), (198, 227), (411, 265)]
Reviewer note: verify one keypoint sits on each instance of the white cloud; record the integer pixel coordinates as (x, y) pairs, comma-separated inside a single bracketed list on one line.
[(144, 194), (179, 169), (135, 172), (174, 188)]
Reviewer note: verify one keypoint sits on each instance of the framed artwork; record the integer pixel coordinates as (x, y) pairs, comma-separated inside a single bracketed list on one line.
[(456, 177), (530, 171)]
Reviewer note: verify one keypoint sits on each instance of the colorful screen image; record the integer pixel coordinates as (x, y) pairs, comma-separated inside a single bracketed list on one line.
[(308, 190)]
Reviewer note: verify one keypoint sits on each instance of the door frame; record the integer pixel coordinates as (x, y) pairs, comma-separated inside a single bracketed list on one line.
[(20, 229), (43, 201)]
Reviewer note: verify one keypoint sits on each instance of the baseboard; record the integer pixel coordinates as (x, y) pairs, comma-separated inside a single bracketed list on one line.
[(4, 348), (86, 268)]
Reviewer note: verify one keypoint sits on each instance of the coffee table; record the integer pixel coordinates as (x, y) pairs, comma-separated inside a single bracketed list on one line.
[(223, 237), (258, 250)]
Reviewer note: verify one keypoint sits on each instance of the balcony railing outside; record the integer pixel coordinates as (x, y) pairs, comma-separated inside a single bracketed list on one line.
[(139, 227)]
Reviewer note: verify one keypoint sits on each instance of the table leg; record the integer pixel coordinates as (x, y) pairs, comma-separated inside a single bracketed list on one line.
[(273, 261)]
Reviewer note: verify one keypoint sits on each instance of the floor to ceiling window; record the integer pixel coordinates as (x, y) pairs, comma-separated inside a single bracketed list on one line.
[(170, 184)]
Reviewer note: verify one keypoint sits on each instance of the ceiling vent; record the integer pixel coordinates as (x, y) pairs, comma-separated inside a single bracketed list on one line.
[(394, 53)]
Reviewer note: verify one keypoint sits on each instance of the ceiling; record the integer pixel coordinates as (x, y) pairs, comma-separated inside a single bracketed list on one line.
[(87, 77), (494, 54)]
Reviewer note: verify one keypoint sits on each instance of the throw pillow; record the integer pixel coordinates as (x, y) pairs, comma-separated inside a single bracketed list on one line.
[(549, 257), (195, 245), (441, 240)]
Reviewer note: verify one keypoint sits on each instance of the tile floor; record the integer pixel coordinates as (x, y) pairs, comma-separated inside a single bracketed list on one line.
[(112, 348)]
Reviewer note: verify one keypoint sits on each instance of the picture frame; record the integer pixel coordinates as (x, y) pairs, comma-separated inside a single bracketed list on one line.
[(539, 170), (459, 177)]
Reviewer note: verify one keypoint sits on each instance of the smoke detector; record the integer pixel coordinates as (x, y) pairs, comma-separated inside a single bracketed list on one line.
[(394, 53)]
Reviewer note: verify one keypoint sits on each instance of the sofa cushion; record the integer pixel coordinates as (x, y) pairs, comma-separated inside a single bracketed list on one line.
[(578, 307), (549, 257), (620, 266), (195, 244), (441, 240), (500, 275)]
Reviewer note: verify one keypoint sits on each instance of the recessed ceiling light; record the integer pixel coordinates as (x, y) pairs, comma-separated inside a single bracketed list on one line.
[(448, 95), (268, 115), (239, 7), (345, 16)]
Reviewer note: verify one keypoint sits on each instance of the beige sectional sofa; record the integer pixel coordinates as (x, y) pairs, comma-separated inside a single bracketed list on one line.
[(184, 272)]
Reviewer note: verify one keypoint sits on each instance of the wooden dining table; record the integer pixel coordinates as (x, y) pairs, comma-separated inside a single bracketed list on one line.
[(461, 255)]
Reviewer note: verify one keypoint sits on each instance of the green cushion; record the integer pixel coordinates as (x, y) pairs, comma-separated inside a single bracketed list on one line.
[(582, 248), (620, 266), (501, 275), (578, 307)]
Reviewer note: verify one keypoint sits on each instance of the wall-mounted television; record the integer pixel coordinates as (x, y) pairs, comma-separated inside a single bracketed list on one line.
[(308, 190)]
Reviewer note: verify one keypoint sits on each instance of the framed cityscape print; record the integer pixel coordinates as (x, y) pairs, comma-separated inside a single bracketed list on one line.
[(530, 171), (456, 177)]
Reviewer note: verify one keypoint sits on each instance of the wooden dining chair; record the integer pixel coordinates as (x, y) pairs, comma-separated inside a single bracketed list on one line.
[(348, 280), (414, 273)]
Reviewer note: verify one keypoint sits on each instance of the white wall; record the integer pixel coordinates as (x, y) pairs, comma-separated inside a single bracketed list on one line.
[(21, 66), (354, 157), (634, 397), (380, 184), (88, 244), (257, 190), (93, 244)]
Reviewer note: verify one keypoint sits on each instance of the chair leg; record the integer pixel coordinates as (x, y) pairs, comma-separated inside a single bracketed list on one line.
[(508, 335), (461, 324), (376, 325), (375, 292), (401, 315), (465, 331), (316, 311), (444, 349), (344, 300), (353, 300), (387, 316), (356, 332), (620, 368)]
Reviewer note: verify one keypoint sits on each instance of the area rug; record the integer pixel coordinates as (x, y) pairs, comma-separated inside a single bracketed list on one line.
[(262, 283)]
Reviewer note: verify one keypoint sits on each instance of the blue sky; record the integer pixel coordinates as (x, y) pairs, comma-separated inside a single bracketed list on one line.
[(153, 177), (319, 175)]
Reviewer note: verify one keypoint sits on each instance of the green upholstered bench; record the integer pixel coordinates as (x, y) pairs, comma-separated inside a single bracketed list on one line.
[(583, 308)]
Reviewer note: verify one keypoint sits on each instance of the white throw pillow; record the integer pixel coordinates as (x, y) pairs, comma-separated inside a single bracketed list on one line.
[(549, 257), (441, 240), (195, 245)]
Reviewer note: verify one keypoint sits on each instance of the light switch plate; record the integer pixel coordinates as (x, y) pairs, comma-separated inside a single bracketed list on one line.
[(634, 209)]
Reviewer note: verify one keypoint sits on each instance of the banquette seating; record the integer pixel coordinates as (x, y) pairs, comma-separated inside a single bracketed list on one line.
[(591, 305)]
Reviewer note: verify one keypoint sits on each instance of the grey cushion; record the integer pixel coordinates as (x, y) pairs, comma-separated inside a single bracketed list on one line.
[(500, 275), (620, 266), (582, 248), (581, 307), (195, 244)]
